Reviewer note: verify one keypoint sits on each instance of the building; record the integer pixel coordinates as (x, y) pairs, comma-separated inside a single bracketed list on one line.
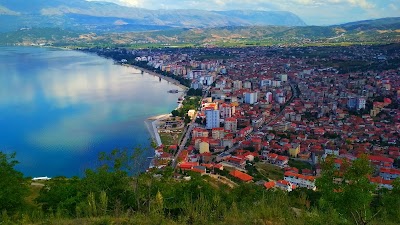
[(241, 176), (268, 97), (199, 132), (247, 84), (265, 82), (230, 124), (389, 174), (285, 185), (250, 97), (361, 103), (204, 147), (218, 133), (226, 110), (237, 84), (294, 150), (283, 77), (212, 118), (208, 80), (356, 103), (300, 180)]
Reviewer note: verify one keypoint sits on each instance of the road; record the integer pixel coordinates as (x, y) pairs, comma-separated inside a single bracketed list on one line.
[(187, 132)]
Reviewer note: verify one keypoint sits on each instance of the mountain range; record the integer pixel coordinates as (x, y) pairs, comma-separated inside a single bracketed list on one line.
[(105, 17)]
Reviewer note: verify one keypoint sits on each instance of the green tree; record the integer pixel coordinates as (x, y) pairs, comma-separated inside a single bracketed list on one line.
[(13, 186), (175, 113), (348, 190), (60, 193), (391, 201)]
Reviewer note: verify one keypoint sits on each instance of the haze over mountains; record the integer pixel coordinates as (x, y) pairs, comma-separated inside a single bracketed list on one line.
[(103, 16)]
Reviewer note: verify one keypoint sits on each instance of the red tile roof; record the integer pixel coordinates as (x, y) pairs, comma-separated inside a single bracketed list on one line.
[(269, 185), (242, 176)]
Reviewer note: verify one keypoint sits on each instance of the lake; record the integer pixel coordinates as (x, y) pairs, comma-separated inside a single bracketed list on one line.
[(60, 108)]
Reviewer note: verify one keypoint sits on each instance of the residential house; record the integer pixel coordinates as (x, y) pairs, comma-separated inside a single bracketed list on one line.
[(241, 176), (300, 180)]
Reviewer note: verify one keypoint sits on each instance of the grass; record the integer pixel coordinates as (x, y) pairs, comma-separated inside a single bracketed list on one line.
[(299, 164), (168, 139), (270, 171), (33, 194)]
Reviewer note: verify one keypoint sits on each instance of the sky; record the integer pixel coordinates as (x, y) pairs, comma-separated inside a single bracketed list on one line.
[(313, 12)]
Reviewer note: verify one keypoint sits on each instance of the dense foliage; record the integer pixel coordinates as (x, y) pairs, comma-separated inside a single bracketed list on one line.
[(109, 195), (13, 187)]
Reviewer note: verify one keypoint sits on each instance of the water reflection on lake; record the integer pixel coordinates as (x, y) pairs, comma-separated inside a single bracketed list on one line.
[(58, 109)]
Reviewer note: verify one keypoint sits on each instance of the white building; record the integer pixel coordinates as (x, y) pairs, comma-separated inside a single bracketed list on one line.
[(237, 84), (247, 84), (208, 80), (301, 180), (212, 118), (265, 82), (250, 97), (268, 97), (226, 110), (361, 103), (276, 83), (283, 77), (356, 103)]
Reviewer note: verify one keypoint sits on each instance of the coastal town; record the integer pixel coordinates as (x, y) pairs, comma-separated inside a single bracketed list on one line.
[(270, 115)]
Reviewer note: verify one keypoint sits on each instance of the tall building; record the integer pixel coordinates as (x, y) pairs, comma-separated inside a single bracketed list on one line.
[(268, 97), (237, 84), (231, 124), (356, 103), (361, 103), (280, 97), (250, 97), (247, 84), (226, 110), (212, 118), (283, 77)]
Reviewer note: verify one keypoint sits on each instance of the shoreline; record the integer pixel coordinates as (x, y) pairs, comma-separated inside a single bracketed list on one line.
[(152, 122), (169, 79)]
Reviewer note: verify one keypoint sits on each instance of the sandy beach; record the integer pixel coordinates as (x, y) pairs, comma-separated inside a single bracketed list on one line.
[(151, 124)]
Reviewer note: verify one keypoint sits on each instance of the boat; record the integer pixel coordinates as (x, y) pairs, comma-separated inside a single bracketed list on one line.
[(173, 91)]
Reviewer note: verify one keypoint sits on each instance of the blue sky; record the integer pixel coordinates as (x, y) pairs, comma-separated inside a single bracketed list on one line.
[(313, 12)]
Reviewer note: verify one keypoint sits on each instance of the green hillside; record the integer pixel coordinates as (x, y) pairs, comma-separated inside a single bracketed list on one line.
[(109, 195)]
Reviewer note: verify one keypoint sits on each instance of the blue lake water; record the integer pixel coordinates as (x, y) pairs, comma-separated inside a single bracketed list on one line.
[(59, 109)]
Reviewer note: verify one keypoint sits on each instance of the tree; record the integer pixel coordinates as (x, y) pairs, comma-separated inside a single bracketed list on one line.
[(187, 119), (60, 194), (13, 186), (391, 201), (175, 113), (348, 189)]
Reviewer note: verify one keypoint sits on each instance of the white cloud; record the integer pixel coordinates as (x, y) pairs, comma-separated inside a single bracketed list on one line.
[(393, 6)]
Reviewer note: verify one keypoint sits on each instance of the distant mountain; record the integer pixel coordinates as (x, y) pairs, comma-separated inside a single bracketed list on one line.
[(380, 31), (277, 18), (105, 17)]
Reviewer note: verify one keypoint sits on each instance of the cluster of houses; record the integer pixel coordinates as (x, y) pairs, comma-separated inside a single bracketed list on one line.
[(268, 106)]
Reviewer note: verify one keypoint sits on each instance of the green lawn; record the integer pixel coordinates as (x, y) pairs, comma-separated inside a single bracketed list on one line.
[(170, 138), (299, 165), (270, 171)]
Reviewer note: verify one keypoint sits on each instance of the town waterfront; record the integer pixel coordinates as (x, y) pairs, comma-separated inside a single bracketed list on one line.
[(59, 108)]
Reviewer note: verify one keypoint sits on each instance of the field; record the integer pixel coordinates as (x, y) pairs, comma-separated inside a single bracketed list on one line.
[(270, 171)]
